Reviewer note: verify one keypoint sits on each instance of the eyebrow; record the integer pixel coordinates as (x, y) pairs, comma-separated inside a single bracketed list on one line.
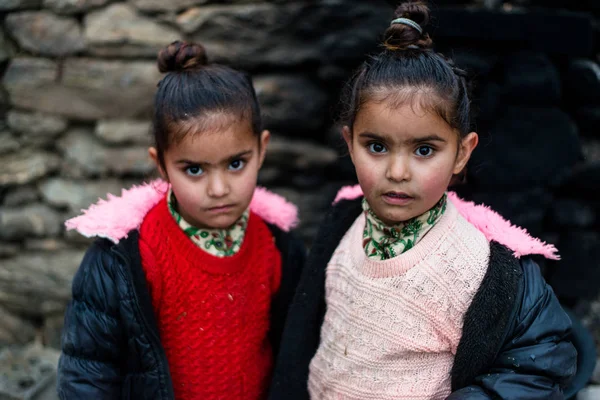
[(428, 138), (230, 158)]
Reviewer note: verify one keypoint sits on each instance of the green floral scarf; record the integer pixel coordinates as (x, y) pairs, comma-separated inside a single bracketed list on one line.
[(218, 242), (382, 242)]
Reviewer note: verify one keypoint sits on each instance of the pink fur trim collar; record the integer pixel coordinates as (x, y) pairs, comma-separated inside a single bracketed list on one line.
[(114, 217), (489, 222)]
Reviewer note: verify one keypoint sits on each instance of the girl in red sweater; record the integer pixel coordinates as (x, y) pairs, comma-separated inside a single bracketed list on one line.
[(186, 294)]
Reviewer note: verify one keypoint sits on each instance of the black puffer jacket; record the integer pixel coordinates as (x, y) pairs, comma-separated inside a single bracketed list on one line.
[(111, 345), (514, 343)]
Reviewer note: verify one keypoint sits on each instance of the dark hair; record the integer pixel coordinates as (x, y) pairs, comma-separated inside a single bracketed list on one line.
[(407, 70), (194, 92)]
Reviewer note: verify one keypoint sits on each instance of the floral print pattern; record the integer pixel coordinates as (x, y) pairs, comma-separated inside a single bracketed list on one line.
[(218, 242), (383, 242)]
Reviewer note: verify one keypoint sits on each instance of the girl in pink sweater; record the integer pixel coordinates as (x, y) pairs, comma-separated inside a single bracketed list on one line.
[(410, 292)]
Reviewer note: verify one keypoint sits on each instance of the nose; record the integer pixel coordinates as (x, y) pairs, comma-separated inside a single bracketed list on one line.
[(218, 185), (398, 169)]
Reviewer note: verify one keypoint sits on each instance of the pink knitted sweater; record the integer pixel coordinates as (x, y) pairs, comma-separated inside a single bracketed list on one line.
[(392, 327)]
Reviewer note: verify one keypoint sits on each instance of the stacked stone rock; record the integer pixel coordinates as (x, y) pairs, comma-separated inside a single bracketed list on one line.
[(76, 86)]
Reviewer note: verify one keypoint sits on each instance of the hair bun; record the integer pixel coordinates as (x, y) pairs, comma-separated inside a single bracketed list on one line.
[(181, 56), (401, 36)]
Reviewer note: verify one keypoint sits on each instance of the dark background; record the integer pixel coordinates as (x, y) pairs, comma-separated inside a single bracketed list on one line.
[(76, 86)]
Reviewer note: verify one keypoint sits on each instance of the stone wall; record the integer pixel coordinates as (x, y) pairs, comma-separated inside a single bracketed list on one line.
[(77, 79)]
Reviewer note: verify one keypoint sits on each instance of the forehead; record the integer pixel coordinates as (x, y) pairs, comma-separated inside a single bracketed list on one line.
[(213, 144), (400, 121)]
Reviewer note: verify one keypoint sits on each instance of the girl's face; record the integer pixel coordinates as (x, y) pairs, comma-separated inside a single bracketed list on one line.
[(213, 174), (405, 158)]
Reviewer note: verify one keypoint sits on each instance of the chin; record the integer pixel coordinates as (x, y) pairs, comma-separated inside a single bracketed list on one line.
[(223, 222), (394, 217)]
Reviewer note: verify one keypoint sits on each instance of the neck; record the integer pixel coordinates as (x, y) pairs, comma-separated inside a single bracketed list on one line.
[(384, 241)]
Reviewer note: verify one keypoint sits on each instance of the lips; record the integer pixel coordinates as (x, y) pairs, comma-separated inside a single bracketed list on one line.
[(221, 208), (398, 195), (397, 198)]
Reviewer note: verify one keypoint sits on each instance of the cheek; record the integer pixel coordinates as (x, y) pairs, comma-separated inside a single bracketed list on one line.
[(244, 185), (367, 172), (435, 180), (188, 194)]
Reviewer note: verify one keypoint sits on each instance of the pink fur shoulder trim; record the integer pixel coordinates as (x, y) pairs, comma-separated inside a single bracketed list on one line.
[(114, 217), (489, 222)]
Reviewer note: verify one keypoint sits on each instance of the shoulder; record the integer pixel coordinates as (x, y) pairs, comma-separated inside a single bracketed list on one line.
[(535, 293), (284, 240), (102, 269)]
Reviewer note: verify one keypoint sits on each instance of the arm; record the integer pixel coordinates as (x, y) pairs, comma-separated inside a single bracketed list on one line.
[(89, 366), (536, 360)]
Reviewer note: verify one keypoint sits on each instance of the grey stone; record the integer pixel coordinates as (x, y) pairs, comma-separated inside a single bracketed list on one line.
[(21, 195), (124, 131), (42, 32), (8, 249), (52, 329), (591, 150), (582, 81), (117, 89), (73, 6), (10, 5), (36, 123), (31, 220), (254, 26), (26, 166), (6, 48), (77, 195), (165, 6), (503, 159), (94, 158), (531, 78), (298, 154), (77, 239), (312, 206), (89, 90), (596, 375), (573, 213), (269, 175), (15, 330), (8, 143), (291, 104), (119, 30), (48, 244), (591, 392), (286, 34), (38, 284), (27, 372), (29, 72)]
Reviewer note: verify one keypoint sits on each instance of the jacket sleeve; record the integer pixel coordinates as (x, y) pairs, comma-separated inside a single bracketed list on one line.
[(92, 337), (536, 360), (293, 258)]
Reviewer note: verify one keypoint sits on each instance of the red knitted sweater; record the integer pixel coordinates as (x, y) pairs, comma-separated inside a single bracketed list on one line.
[(213, 313)]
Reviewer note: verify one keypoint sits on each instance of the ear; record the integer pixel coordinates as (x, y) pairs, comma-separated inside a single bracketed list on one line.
[(348, 139), (467, 145), (265, 138), (153, 153)]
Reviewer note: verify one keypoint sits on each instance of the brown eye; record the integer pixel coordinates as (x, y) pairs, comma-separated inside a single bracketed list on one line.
[(194, 170), (424, 151), (377, 148), (237, 165)]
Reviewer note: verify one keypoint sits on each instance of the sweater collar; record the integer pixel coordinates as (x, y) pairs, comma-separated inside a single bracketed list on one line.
[(218, 242), (382, 241), (489, 222), (115, 217)]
